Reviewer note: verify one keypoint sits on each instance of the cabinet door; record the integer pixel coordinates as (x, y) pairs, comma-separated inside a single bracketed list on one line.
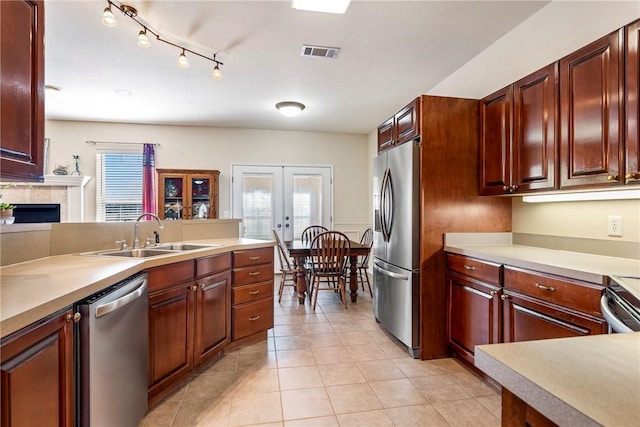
[(632, 91), (591, 114), (22, 90), (527, 319), (170, 335), (172, 196), (407, 122), (535, 100), (203, 193), (385, 135), (213, 312), (496, 113), (473, 315), (37, 374)]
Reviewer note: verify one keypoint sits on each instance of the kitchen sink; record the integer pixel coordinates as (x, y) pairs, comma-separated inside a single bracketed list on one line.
[(184, 246), (136, 253)]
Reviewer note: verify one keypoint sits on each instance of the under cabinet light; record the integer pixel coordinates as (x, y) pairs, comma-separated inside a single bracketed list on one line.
[(578, 197)]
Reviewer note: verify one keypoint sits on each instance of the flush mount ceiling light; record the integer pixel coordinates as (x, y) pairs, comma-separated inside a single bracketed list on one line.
[(329, 6), (143, 39), (290, 108)]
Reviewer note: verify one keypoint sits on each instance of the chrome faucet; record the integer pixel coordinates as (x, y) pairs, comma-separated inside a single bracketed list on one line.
[(136, 242)]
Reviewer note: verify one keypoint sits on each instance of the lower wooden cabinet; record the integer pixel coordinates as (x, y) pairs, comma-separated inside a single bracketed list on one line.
[(252, 301), (489, 303), (37, 374), (189, 318)]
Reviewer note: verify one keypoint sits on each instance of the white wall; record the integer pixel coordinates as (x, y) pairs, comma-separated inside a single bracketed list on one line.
[(192, 147), (554, 31)]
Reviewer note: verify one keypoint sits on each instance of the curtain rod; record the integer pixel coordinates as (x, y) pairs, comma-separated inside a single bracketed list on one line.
[(115, 142)]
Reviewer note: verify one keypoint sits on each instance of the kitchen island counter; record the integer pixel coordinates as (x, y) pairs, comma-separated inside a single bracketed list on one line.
[(591, 380), (32, 290)]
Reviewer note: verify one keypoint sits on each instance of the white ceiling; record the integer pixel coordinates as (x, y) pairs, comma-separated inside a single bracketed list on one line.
[(391, 51)]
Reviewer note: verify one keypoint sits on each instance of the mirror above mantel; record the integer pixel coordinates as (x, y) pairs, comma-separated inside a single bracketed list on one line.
[(66, 190)]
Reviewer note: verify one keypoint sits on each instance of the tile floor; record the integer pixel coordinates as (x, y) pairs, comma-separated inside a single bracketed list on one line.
[(331, 367)]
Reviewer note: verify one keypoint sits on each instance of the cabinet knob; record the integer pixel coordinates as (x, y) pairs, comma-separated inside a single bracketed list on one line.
[(469, 267), (612, 178), (256, 292), (254, 318), (194, 288), (201, 285), (632, 176), (254, 273), (493, 293), (504, 297), (75, 317), (514, 188)]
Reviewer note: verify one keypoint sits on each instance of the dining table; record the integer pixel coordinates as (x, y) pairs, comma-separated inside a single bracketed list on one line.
[(299, 251)]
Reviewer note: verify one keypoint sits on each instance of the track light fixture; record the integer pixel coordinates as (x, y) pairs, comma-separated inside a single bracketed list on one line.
[(109, 20)]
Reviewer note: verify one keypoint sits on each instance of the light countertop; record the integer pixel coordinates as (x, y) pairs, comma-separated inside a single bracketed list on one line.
[(591, 380), (497, 247), (32, 290)]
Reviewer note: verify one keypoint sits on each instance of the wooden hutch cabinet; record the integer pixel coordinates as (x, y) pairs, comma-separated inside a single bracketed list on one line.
[(518, 133), (22, 90), (591, 113), (187, 194)]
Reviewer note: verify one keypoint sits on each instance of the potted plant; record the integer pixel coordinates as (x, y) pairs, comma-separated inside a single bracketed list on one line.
[(6, 209)]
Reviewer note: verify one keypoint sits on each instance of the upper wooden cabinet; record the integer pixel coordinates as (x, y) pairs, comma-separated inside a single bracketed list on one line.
[(518, 134), (187, 194), (402, 127), (632, 171), (591, 112), (22, 91)]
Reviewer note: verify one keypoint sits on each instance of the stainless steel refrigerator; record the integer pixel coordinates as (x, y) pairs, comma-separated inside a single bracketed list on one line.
[(396, 243)]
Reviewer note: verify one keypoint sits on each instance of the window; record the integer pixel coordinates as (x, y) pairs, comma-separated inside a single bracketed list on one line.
[(119, 186)]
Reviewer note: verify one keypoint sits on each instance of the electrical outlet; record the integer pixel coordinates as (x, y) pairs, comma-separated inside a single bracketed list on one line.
[(615, 226)]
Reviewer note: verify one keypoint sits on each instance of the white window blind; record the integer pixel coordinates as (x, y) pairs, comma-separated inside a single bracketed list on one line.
[(119, 186)]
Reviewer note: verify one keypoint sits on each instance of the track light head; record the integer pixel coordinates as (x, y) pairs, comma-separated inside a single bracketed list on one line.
[(107, 17), (183, 62), (143, 40), (217, 73)]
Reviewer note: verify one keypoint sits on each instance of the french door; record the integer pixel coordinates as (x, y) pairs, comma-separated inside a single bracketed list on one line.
[(287, 198)]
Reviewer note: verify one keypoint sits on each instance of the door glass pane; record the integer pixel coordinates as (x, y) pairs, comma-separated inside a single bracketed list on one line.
[(200, 198), (173, 198), (257, 206), (307, 202)]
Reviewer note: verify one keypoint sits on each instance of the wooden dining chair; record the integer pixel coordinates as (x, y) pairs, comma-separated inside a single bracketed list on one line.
[(363, 261), (308, 234), (330, 251), (287, 271)]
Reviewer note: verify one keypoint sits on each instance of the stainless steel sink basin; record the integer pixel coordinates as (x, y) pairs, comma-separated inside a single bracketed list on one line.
[(136, 253), (184, 246)]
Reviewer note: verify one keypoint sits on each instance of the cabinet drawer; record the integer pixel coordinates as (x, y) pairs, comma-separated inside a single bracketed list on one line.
[(246, 275), (577, 295), (252, 257), (213, 264), (252, 317), (482, 270), (167, 275), (248, 293)]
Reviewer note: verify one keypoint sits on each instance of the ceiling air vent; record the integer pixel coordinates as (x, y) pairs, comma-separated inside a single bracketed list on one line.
[(320, 51)]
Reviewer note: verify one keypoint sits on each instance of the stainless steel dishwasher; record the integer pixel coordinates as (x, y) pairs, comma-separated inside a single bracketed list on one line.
[(111, 355)]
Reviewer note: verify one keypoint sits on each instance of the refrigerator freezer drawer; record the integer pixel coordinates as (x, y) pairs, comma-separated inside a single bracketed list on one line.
[(396, 303)]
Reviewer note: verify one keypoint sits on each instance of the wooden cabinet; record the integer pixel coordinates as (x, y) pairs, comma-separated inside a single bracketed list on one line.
[(213, 306), (591, 114), (541, 306), (632, 93), (37, 373), (402, 127), (22, 90), (189, 320), (172, 296), (252, 296), (187, 194), (518, 134), (474, 308)]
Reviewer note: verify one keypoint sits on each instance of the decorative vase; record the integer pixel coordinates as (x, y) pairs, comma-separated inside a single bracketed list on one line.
[(6, 213)]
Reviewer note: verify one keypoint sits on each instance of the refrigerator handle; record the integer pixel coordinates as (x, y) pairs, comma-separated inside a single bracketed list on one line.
[(383, 206), (389, 273), (389, 218)]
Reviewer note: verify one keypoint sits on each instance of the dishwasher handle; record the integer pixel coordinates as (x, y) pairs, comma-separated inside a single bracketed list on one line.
[(613, 321), (104, 309)]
